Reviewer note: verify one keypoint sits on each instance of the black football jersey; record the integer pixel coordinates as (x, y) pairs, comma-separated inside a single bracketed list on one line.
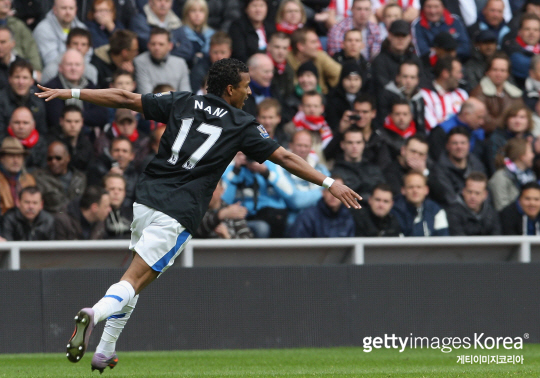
[(203, 135)]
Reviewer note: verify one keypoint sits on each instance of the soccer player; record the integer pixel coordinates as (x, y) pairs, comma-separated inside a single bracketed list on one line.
[(203, 135)]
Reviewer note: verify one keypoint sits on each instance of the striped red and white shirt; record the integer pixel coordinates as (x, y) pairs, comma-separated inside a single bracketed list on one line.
[(404, 4), (441, 105)]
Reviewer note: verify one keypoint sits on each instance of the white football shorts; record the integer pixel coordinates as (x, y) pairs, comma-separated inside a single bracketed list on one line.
[(156, 237)]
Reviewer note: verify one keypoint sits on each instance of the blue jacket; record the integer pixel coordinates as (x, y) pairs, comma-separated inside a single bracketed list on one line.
[(253, 190), (424, 33), (299, 194), (320, 222), (101, 36), (519, 57), (454, 121), (199, 41), (501, 31), (429, 220)]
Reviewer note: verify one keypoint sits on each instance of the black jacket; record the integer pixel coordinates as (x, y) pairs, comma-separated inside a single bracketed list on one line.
[(385, 66), (81, 154), (368, 224), (37, 155), (513, 221), (361, 177), (118, 223), (17, 228), (462, 221), (72, 225), (391, 94), (367, 72), (475, 68), (447, 180), (9, 101), (245, 38)]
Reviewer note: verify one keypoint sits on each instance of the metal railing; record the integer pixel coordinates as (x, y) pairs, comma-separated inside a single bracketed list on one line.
[(357, 246)]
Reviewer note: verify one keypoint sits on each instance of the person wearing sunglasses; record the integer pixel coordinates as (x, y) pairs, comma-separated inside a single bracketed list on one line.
[(58, 182)]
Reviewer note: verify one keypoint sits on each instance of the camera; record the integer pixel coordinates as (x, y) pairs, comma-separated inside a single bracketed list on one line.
[(354, 118)]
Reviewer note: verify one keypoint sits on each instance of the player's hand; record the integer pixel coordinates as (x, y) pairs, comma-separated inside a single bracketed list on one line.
[(346, 195), (48, 94), (222, 231), (345, 122), (234, 211)]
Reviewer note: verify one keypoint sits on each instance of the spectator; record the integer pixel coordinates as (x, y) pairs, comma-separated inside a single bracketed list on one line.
[(125, 124), (222, 221), (513, 174), (491, 18), (405, 86), (269, 116), (471, 116), (517, 123), (102, 22), (391, 12), (80, 40), (341, 98), (352, 51), (290, 16), (396, 49), (51, 33), (125, 10), (70, 75), (252, 184), (305, 47), (434, 18), (485, 45), (308, 78), (84, 218), (118, 222), (261, 71), (444, 98), (220, 48), (157, 66), (23, 127), (118, 54), (119, 160), (194, 18), (532, 84), (398, 127), (300, 194), (7, 54), (249, 33), (444, 46), (20, 92), (58, 183), (411, 9), (310, 117), (80, 148), (28, 221), (523, 47), (159, 13), (329, 218), (453, 167), (221, 12), (358, 174), (375, 219), (472, 213), (29, 11), (277, 49), (522, 216), (418, 215), (496, 91), (413, 157), (360, 19), (13, 176)]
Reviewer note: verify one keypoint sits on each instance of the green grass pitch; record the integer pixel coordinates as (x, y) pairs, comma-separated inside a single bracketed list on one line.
[(329, 362)]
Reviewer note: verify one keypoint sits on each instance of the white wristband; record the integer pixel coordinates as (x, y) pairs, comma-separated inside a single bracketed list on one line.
[(76, 93), (327, 183)]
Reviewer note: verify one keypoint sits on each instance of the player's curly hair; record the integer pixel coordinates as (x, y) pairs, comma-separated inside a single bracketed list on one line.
[(225, 72)]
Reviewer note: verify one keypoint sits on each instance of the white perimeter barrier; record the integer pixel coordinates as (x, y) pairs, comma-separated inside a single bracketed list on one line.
[(356, 246)]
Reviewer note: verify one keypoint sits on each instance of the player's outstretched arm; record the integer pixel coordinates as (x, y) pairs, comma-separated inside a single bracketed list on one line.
[(299, 167), (110, 98)]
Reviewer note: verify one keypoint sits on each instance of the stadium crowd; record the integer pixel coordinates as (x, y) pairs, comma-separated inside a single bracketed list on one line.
[(430, 110)]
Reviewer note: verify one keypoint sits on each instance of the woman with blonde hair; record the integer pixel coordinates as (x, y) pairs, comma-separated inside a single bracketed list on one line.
[(195, 20), (102, 22), (290, 16), (514, 172)]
